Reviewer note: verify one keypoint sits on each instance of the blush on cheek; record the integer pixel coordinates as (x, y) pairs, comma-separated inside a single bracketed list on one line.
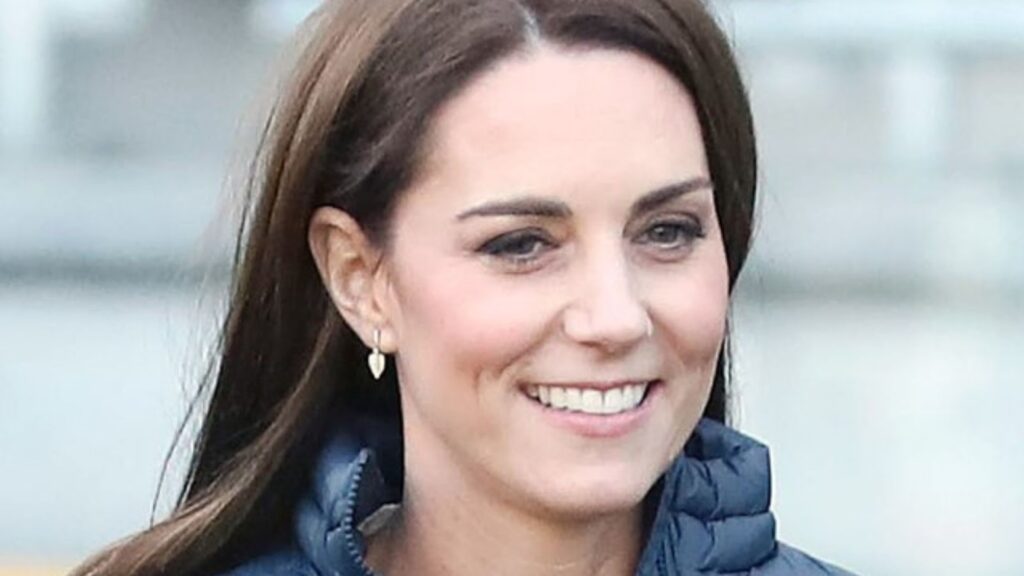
[(705, 320), (471, 319), (692, 311)]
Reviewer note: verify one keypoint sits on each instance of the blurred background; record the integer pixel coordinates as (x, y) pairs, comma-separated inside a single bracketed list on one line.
[(879, 327)]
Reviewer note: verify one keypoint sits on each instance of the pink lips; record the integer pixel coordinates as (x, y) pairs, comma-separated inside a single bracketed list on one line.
[(602, 425)]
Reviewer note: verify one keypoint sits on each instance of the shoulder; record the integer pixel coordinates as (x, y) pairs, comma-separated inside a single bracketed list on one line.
[(789, 561), (283, 562)]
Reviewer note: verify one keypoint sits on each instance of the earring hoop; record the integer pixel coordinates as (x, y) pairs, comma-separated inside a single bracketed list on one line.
[(376, 360)]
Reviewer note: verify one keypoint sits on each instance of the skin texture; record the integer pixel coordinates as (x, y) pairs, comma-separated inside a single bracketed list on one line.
[(476, 308)]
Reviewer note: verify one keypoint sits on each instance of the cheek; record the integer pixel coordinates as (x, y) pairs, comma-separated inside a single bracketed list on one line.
[(692, 309), (466, 316)]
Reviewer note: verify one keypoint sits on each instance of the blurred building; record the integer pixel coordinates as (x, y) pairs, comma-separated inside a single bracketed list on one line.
[(878, 326)]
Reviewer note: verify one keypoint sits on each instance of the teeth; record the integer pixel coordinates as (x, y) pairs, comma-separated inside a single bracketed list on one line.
[(558, 398), (627, 396), (613, 401), (590, 401), (572, 400), (638, 392)]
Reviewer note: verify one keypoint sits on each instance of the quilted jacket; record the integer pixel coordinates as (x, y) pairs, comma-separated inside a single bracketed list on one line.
[(712, 515)]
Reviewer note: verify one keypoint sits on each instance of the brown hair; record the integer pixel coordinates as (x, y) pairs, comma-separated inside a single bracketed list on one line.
[(348, 131)]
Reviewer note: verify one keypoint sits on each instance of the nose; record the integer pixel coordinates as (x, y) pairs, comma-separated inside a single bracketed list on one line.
[(606, 310)]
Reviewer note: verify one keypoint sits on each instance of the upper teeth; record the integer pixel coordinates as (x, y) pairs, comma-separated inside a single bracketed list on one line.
[(589, 400)]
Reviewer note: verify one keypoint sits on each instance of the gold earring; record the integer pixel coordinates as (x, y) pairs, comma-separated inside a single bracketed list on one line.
[(376, 359)]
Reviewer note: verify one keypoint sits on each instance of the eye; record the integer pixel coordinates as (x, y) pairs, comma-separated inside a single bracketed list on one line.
[(519, 247), (672, 234)]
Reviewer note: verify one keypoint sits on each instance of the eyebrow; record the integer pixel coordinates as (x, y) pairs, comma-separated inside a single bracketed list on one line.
[(545, 208)]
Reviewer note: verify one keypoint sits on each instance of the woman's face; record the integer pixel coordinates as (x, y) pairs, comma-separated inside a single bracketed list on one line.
[(557, 284)]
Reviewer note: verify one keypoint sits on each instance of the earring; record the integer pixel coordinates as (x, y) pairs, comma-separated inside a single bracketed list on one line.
[(650, 327), (376, 359)]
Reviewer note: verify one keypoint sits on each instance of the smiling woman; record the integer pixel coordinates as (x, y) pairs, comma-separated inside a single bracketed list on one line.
[(539, 210), (608, 280)]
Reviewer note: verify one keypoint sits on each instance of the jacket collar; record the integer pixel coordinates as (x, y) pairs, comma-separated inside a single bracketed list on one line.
[(712, 512)]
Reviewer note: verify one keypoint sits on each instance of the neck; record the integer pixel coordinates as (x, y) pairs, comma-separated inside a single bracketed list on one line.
[(431, 540), (447, 526)]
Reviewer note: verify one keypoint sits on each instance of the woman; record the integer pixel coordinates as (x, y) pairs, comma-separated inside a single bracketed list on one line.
[(481, 306)]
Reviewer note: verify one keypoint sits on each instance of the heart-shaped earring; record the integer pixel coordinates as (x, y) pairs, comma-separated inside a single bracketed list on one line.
[(376, 359)]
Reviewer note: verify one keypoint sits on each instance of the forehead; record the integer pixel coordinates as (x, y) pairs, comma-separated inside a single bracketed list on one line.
[(570, 121)]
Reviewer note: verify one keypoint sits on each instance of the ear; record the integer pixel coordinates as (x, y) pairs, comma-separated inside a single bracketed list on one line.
[(349, 267)]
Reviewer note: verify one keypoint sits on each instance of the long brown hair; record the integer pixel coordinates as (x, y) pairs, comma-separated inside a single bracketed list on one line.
[(348, 130)]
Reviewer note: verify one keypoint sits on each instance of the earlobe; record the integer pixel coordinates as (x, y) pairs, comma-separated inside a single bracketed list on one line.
[(346, 262)]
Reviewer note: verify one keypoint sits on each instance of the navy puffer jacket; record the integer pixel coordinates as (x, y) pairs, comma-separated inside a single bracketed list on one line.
[(712, 516)]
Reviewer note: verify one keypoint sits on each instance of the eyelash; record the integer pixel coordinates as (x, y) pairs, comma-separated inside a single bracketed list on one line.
[(505, 246), (689, 229)]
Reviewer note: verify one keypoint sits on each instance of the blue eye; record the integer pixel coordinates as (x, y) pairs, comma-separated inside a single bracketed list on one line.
[(518, 247), (672, 234)]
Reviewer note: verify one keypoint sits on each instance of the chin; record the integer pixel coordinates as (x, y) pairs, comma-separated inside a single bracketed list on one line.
[(593, 493)]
